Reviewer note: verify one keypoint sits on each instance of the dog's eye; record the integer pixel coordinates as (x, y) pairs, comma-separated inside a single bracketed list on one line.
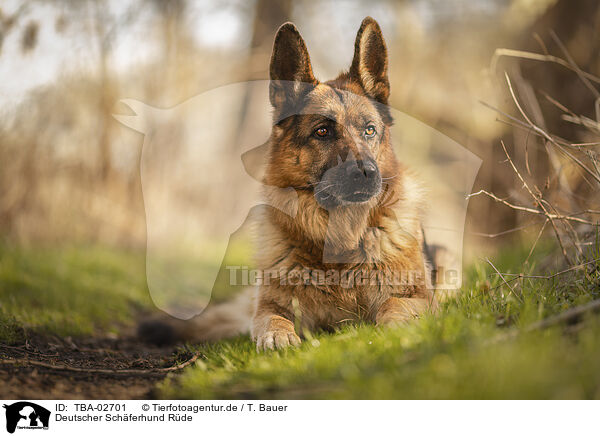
[(370, 131), (322, 132)]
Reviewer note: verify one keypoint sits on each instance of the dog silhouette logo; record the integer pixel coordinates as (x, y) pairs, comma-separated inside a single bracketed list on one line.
[(200, 184), (26, 415)]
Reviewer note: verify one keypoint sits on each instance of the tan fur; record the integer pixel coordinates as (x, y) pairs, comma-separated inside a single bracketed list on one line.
[(218, 321), (395, 246), (382, 235)]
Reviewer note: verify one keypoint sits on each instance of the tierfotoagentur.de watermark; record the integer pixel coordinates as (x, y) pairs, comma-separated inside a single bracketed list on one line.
[(240, 275)]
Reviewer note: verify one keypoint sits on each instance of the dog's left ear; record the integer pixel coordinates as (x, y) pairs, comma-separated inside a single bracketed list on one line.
[(290, 69), (369, 65)]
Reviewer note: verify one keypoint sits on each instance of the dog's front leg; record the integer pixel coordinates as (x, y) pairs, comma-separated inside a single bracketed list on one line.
[(399, 310), (272, 328)]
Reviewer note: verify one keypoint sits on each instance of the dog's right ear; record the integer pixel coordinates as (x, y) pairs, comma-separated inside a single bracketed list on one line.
[(370, 62), (291, 71)]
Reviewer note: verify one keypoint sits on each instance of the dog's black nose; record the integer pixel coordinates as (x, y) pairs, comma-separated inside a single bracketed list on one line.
[(362, 169), (370, 169)]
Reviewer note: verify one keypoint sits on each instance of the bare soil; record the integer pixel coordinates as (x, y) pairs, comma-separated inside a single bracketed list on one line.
[(86, 368)]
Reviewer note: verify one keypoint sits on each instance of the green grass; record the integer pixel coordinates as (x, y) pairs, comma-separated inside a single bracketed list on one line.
[(464, 352), (69, 291), (83, 290)]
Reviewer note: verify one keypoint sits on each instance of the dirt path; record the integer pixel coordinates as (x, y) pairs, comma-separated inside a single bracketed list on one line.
[(89, 368)]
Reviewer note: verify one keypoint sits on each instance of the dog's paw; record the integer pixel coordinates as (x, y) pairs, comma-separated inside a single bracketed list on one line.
[(394, 320), (399, 311), (279, 338)]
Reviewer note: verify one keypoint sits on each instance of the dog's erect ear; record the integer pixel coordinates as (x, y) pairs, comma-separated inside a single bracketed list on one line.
[(291, 72), (369, 66)]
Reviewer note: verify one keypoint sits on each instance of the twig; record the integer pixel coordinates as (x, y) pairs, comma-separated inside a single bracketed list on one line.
[(567, 224), (537, 57), (527, 153), (143, 372), (536, 241), (582, 121), (528, 209), (585, 144), (523, 125), (569, 315), (512, 291), (575, 67), (573, 117), (548, 277), (540, 41), (23, 350), (504, 232), (535, 198), (546, 135)]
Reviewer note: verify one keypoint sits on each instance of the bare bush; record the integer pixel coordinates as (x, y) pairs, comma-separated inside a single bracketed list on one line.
[(562, 197)]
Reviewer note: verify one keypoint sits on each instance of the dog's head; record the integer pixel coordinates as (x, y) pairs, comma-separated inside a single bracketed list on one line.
[(331, 138)]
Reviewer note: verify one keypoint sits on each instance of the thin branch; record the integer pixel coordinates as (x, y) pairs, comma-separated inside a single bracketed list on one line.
[(575, 67), (504, 232), (581, 120), (545, 134), (549, 277), (537, 57), (521, 124), (585, 144), (108, 371), (512, 291), (536, 241), (566, 223), (570, 315), (530, 210)]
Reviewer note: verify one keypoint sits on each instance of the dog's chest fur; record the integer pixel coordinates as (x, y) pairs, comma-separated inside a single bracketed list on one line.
[(379, 244)]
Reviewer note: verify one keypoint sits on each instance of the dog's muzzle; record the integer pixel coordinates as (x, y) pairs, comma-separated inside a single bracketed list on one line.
[(349, 182)]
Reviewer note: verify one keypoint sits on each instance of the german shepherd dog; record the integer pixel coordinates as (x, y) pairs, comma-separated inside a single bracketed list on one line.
[(359, 211)]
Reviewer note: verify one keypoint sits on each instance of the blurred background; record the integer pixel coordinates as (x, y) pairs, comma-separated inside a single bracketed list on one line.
[(88, 202), (70, 172)]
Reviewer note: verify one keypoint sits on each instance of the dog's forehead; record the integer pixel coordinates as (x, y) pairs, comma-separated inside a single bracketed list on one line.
[(340, 105)]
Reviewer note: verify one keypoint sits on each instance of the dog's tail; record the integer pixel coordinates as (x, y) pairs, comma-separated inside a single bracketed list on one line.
[(218, 321)]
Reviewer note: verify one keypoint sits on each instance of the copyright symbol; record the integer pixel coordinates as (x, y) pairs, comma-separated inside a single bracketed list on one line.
[(145, 407)]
